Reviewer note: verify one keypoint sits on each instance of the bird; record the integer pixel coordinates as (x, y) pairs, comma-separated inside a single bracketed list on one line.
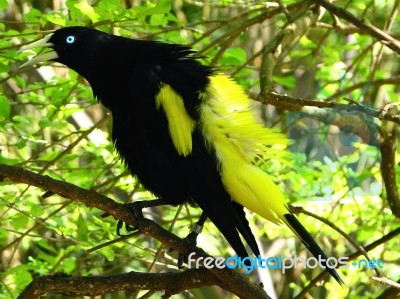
[(186, 130)]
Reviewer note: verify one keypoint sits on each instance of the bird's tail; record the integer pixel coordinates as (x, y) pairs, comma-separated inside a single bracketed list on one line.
[(255, 190), (295, 225), (239, 141)]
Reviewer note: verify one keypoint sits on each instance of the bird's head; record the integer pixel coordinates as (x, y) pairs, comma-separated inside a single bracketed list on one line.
[(71, 46)]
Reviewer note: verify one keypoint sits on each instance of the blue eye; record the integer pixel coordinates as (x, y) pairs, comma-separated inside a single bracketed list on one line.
[(70, 39)]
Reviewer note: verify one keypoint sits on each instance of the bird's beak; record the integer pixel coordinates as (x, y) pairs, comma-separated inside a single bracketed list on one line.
[(44, 42)]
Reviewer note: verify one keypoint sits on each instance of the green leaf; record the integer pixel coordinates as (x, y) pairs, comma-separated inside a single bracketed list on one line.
[(286, 81), (44, 123), (161, 7), (19, 221), (49, 156), (68, 265), (33, 15), (108, 253), (56, 19), (3, 67), (5, 107), (44, 244), (234, 56), (20, 275), (3, 4), (36, 210), (87, 10), (82, 228)]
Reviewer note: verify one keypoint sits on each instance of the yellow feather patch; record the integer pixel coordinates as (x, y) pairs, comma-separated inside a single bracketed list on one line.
[(180, 124), (254, 189), (231, 129)]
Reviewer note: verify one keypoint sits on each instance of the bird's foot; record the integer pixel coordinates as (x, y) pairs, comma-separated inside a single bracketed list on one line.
[(136, 209), (191, 240)]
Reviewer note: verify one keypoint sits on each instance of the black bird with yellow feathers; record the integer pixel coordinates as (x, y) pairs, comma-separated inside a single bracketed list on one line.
[(186, 130)]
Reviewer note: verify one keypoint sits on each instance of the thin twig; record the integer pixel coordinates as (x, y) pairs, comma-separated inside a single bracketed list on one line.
[(382, 36), (292, 104)]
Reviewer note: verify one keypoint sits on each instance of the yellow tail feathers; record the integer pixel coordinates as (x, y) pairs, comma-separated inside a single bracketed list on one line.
[(255, 190)]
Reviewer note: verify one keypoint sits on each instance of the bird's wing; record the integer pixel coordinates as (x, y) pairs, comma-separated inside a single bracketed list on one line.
[(181, 159), (226, 111), (180, 124), (239, 141), (207, 190)]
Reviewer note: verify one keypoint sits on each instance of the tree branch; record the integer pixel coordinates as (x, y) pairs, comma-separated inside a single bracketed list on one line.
[(382, 36), (390, 293), (93, 199), (171, 283), (294, 104), (378, 82), (286, 37), (388, 170)]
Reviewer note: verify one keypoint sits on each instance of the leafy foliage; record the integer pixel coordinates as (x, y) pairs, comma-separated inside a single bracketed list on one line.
[(51, 124)]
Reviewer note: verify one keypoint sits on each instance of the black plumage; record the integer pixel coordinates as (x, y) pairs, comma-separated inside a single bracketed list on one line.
[(128, 76), (125, 76)]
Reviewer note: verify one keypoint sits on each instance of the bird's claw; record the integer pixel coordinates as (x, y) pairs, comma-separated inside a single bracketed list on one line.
[(136, 209), (191, 240)]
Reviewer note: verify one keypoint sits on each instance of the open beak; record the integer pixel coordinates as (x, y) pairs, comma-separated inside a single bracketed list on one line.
[(44, 42)]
